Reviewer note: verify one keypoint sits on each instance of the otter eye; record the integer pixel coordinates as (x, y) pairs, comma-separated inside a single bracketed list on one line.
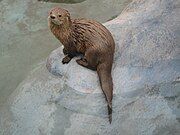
[(60, 15)]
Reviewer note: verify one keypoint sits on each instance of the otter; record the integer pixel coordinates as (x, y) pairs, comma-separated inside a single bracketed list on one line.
[(90, 39)]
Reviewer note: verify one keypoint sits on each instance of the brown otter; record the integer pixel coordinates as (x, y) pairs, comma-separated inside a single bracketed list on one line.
[(92, 40)]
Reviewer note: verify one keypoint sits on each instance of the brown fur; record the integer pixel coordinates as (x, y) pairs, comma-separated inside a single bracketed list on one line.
[(90, 38)]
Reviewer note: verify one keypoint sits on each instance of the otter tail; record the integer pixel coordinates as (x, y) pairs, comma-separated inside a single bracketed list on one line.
[(104, 73)]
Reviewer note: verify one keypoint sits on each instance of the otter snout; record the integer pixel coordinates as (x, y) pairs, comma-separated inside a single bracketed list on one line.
[(52, 17)]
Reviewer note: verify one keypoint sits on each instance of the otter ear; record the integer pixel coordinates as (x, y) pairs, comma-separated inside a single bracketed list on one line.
[(67, 13), (68, 16)]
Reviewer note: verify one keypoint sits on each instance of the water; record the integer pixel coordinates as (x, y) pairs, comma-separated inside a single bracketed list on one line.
[(25, 39), (63, 1)]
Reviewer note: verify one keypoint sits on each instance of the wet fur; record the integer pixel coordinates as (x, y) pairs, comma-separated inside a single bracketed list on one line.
[(94, 41)]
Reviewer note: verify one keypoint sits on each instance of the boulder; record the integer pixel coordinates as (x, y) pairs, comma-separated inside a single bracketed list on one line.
[(146, 76)]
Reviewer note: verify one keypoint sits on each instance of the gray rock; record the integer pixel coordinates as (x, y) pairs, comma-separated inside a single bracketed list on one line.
[(146, 76)]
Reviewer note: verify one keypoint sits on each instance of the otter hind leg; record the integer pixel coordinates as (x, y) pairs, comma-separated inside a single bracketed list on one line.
[(89, 60), (83, 62)]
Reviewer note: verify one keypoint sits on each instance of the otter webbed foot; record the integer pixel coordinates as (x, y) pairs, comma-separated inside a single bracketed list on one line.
[(83, 62), (66, 60)]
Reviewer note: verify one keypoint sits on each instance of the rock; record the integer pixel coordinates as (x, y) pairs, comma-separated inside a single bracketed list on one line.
[(146, 76)]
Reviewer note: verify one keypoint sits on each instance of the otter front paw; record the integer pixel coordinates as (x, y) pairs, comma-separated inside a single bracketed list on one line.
[(65, 51), (66, 60)]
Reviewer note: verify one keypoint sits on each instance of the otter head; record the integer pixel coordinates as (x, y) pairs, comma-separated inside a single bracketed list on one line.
[(59, 16)]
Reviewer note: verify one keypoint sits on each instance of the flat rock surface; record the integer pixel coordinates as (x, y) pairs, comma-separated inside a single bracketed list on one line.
[(146, 76)]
